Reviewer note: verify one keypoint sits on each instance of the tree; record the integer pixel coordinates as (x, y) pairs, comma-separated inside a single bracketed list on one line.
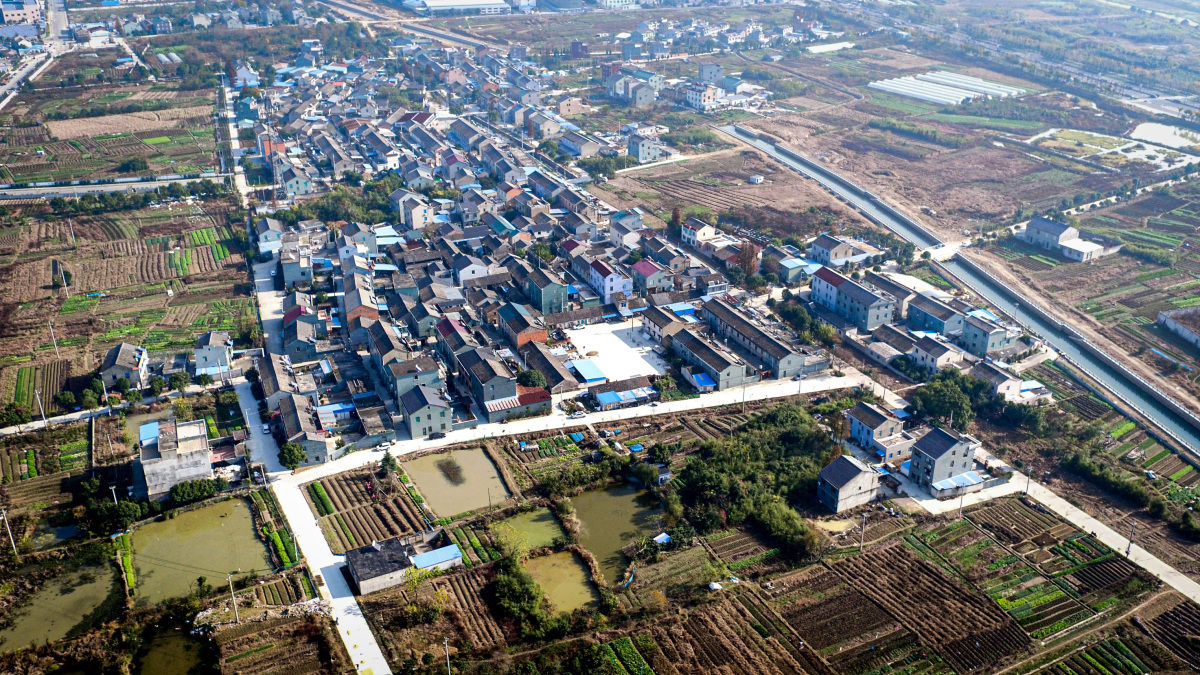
[(388, 463), (943, 399), (531, 378), (252, 375), (65, 400), (204, 379), (292, 455), (179, 381), (133, 165), (157, 384), (89, 400)]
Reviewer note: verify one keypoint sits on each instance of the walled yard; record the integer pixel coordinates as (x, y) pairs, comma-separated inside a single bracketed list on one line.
[(288, 644)]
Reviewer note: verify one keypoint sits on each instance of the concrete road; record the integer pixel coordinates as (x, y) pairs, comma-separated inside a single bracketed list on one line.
[(270, 305), (76, 190)]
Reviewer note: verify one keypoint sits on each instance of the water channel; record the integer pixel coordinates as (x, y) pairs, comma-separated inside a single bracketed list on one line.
[(1004, 298)]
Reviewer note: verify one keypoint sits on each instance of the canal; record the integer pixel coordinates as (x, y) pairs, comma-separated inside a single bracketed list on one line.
[(1122, 384)]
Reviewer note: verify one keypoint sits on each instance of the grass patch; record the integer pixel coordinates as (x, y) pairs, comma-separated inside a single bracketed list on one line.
[(157, 140)]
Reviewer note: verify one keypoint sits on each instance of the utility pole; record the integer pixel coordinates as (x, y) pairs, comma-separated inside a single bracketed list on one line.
[(62, 272), (38, 394), (114, 493), (862, 536), (1128, 549), (446, 646), (104, 388), (4, 515), (961, 496), (233, 598), (54, 340)]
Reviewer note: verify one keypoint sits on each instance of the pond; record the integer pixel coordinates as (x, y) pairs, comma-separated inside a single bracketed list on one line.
[(457, 482), (170, 654), (539, 526), (563, 577), (60, 605), (612, 518), (208, 542)]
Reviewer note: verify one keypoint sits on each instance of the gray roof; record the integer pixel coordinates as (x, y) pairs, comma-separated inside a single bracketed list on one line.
[(932, 347), (213, 338), (380, 559), (937, 443), (123, 355), (842, 470), (735, 320), (418, 398), (870, 414), (704, 351), (985, 325), (864, 295), (1049, 226), (932, 307)]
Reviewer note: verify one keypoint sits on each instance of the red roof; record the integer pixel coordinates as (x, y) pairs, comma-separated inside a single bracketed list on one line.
[(528, 395), (646, 267), (830, 277)]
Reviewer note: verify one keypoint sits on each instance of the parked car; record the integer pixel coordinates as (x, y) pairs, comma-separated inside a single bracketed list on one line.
[(436, 435), (266, 428), (578, 414)]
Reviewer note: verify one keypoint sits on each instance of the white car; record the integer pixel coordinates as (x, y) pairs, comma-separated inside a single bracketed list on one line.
[(578, 414), (266, 428)]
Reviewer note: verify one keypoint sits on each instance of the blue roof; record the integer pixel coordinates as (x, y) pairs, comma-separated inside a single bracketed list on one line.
[(983, 314), (681, 308), (436, 557), (703, 380), (385, 267), (961, 480), (571, 288), (608, 397), (901, 413), (576, 436), (336, 408), (588, 370), (662, 538), (148, 432), (637, 447)]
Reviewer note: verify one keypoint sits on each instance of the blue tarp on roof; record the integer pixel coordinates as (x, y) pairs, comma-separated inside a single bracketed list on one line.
[(682, 308), (336, 408), (662, 538), (703, 380), (638, 447), (148, 433), (575, 436), (901, 413), (436, 557), (571, 288), (608, 398), (983, 314), (588, 370), (961, 480)]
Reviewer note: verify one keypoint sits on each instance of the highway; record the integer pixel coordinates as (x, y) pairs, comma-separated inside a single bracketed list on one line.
[(1123, 384)]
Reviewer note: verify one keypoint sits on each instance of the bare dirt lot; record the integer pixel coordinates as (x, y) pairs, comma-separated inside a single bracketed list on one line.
[(719, 182), (127, 123)]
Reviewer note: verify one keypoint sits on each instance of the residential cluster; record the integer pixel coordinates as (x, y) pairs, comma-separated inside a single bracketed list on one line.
[(127, 21)]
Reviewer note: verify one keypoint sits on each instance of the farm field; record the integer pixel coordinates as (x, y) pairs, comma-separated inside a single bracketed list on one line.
[(354, 509), (154, 276), (281, 645), (106, 130)]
